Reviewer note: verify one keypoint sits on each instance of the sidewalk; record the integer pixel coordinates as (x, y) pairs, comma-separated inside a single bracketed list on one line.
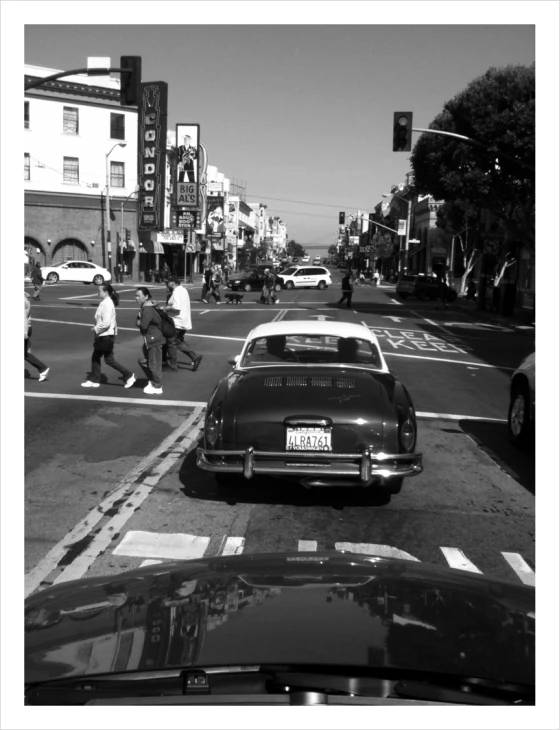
[(521, 321)]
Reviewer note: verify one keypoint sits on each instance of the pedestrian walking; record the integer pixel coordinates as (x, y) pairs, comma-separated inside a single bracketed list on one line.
[(471, 290), (149, 323), (270, 283), (347, 289), (207, 285), (105, 330), (376, 278), (37, 280), (165, 272), (28, 356), (216, 283), (179, 308), (442, 292)]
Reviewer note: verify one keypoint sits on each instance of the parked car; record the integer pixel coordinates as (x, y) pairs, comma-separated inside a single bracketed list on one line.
[(317, 261), (313, 401), (83, 271), (252, 281), (283, 629), (305, 259), (521, 413), (422, 287), (305, 276)]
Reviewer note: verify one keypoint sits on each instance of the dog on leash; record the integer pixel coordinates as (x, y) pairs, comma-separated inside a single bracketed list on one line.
[(234, 298)]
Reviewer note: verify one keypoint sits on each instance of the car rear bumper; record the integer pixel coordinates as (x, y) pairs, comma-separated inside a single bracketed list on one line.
[(358, 469)]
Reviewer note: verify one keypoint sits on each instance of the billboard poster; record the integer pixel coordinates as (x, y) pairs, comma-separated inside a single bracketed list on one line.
[(152, 155), (188, 151), (232, 218), (215, 220)]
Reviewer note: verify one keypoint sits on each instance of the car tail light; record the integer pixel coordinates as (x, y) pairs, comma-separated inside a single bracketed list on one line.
[(407, 435), (213, 426)]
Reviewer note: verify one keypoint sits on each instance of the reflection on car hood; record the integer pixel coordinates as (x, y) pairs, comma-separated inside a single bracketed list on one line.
[(320, 608)]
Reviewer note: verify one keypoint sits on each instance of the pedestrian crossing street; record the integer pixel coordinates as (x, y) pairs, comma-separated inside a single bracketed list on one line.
[(152, 548)]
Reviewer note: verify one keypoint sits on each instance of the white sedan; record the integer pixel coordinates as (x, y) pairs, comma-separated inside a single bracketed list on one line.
[(83, 271)]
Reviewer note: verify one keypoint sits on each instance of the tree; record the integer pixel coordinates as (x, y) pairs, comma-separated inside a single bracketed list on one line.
[(462, 220), (497, 110), (295, 249), (333, 250)]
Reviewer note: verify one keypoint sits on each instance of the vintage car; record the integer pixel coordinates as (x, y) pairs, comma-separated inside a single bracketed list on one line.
[(282, 629), (521, 413), (312, 401)]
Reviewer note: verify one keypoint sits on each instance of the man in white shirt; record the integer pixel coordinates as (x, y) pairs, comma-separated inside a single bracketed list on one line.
[(179, 309)]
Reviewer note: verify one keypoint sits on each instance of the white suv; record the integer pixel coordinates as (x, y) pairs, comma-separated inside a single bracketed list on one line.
[(302, 276)]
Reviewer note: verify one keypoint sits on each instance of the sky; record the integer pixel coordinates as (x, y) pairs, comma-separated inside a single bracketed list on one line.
[(302, 114)]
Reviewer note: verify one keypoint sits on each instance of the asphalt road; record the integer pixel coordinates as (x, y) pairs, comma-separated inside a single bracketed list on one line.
[(110, 474)]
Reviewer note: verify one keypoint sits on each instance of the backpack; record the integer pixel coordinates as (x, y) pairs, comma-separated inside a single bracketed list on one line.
[(167, 324)]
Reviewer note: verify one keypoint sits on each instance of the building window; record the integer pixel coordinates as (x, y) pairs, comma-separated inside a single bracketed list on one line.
[(117, 174), (26, 166), (71, 170), (117, 126), (70, 120), (26, 115)]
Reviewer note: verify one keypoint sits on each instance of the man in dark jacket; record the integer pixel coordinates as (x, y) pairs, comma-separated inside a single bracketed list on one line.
[(37, 280), (149, 323), (347, 289)]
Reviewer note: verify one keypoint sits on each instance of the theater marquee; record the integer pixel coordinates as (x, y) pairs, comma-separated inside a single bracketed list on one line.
[(152, 156)]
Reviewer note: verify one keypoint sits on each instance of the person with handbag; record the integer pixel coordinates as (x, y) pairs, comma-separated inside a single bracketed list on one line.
[(105, 330)]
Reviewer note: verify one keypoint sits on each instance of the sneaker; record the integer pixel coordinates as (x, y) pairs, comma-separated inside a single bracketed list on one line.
[(196, 362), (90, 384), (277, 301), (43, 375), (204, 300), (130, 382), (150, 389)]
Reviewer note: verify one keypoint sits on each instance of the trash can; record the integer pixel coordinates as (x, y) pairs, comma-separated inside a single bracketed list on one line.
[(507, 299)]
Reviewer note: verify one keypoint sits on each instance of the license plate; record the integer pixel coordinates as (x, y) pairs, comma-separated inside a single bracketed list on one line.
[(308, 439)]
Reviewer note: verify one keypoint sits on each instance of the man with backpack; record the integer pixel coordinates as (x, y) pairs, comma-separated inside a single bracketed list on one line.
[(179, 308), (150, 324)]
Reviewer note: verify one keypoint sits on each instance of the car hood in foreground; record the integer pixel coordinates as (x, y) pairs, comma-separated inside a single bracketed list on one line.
[(320, 608)]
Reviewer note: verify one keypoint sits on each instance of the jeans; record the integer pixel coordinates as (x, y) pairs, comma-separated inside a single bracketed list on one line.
[(215, 292), (31, 359), (96, 356), (150, 362), (178, 343), (348, 296), (37, 294)]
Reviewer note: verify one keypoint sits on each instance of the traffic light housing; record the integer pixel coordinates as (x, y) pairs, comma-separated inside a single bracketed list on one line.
[(341, 217), (402, 131), (131, 81), (127, 234)]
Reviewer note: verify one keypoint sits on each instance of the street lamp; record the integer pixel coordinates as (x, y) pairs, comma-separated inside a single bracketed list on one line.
[(108, 213), (403, 259), (121, 247)]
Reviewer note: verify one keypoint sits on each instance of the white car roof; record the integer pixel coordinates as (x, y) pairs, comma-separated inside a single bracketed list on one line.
[(311, 327)]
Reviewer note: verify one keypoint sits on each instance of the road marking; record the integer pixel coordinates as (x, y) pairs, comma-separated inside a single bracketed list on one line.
[(395, 319), (366, 548), (307, 546), (174, 546), (455, 362), (233, 546), (434, 324), (84, 528), (106, 535), (457, 559), (129, 401), (453, 417), (521, 568), (320, 317), (394, 301), (477, 325)]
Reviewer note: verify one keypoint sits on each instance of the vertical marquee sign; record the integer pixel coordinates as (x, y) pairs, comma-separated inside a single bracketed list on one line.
[(152, 156), (188, 154)]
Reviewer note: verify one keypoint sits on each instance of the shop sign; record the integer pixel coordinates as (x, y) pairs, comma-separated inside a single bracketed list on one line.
[(215, 215), (152, 155), (215, 187), (170, 236), (188, 150)]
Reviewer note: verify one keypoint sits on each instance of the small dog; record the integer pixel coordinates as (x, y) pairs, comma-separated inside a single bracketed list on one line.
[(234, 298)]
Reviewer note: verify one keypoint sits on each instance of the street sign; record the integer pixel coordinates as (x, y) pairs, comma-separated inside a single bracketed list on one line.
[(402, 227), (191, 247)]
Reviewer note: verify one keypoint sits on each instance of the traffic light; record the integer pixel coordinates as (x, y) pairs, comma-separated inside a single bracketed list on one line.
[(341, 217), (185, 236), (127, 234), (402, 131), (131, 82)]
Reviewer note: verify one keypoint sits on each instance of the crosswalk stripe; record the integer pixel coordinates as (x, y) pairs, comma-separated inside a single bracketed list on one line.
[(307, 546), (457, 559), (150, 562), (366, 548), (521, 568), (233, 546)]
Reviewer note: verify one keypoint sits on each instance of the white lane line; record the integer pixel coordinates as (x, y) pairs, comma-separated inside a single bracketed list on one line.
[(453, 417), (177, 546), (521, 568), (366, 548), (129, 401), (394, 301), (45, 567), (457, 559), (307, 546), (434, 324), (106, 535), (444, 359), (233, 546)]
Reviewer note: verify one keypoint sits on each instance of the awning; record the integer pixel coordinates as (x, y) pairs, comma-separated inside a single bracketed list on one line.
[(152, 247)]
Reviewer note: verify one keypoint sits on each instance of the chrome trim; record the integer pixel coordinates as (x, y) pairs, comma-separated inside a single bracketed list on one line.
[(364, 467), (293, 421)]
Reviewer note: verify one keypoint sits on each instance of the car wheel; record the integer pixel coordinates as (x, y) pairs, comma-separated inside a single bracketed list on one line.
[(247, 287), (321, 285), (289, 285), (98, 280), (403, 296), (519, 416), (52, 277)]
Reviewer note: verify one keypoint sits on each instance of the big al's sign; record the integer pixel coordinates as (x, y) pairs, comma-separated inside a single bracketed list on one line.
[(188, 152), (152, 155)]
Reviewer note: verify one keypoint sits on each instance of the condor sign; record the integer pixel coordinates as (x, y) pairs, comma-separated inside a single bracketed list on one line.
[(152, 155)]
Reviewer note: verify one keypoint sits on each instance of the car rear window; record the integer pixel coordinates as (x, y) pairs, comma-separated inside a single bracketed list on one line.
[(312, 350)]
